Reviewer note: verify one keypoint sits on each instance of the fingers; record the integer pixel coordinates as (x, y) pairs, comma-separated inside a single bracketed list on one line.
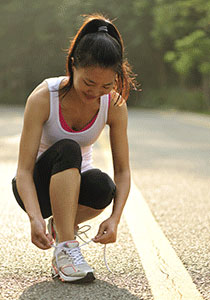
[(101, 231), (50, 238), (39, 237), (42, 241), (105, 235), (105, 238)]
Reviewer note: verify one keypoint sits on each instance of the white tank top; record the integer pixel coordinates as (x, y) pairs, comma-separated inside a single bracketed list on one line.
[(53, 131)]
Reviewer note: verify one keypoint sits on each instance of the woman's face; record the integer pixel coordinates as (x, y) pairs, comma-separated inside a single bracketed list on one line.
[(90, 83)]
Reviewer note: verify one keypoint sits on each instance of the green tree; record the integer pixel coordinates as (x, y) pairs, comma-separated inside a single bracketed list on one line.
[(165, 40), (184, 26), (35, 34), (31, 46)]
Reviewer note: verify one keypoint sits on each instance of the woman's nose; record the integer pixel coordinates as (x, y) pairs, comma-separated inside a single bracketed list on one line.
[(94, 92)]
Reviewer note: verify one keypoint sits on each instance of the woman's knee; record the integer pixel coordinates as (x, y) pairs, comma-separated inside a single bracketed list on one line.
[(97, 189), (106, 190), (67, 147), (69, 155)]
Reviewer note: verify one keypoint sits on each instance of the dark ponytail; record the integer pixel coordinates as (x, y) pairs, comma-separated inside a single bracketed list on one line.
[(99, 43)]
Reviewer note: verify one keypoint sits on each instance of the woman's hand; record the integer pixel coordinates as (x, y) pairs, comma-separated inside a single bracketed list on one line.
[(39, 237), (107, 232)]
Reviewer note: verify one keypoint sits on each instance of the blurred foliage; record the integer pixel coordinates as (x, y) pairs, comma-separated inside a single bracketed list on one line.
[(166, 41), (174, 98), (185, 26)]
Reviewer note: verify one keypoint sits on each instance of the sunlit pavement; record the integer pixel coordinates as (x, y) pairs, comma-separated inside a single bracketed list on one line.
[(170, 166)]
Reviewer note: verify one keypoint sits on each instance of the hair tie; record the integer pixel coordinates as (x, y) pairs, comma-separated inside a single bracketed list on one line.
[(102, 28)]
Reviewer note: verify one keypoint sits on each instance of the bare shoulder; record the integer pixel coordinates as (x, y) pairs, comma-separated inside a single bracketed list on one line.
[(38, 102), (118, 112), (36, 113)]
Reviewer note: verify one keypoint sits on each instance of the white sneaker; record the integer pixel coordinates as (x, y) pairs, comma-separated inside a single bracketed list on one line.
[(77, 233), (69, 264)]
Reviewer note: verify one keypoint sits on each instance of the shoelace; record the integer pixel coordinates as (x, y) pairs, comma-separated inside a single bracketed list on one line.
[(84, 231), (81, 231), (76, 254)]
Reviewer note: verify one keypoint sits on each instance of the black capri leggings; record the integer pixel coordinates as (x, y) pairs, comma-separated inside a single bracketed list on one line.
[(96, 190)]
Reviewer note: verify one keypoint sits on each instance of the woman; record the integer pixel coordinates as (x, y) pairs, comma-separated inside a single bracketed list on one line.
[(63, 117)]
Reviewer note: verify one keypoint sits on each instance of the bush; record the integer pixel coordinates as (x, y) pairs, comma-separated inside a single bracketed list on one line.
[(173, 98)]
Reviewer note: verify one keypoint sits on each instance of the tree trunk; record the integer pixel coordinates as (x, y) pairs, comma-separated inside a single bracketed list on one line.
[(206, 90)]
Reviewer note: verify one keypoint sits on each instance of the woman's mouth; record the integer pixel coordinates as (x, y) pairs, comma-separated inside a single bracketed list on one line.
[(89, 97)]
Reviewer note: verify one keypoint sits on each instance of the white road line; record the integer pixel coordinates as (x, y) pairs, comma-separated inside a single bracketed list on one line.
[(165, 273)]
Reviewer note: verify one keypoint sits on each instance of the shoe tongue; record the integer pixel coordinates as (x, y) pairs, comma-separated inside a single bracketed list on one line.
[(71, 244)]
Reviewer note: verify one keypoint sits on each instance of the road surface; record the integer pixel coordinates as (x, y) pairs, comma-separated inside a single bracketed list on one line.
[(170, 162)]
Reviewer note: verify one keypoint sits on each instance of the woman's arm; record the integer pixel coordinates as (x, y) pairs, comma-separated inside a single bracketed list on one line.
[(36, 113), (120, 154), (117, 121)]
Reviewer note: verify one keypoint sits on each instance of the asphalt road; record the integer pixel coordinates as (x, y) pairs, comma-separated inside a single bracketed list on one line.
[(25, 270), (170, 159)]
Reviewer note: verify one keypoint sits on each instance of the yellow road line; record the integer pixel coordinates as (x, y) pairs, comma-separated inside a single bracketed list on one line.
[(165, 273)]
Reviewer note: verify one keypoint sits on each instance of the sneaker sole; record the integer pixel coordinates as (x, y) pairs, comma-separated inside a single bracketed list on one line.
[(87, 279)]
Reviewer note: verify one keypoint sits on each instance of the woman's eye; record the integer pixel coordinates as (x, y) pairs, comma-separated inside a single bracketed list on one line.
[(88, 84)]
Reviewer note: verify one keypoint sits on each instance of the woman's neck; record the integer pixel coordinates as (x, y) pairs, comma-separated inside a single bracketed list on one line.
[(72, 99)]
